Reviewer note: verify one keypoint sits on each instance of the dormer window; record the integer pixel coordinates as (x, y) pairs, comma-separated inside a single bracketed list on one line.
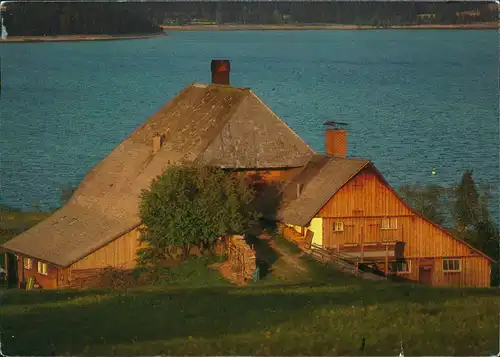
[(299, 189), (157, 142)]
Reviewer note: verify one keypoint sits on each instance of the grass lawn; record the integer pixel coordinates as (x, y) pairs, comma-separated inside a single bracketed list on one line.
[(298, 308)]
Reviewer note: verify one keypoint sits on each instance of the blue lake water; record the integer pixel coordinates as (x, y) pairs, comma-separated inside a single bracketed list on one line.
[(414, 100)]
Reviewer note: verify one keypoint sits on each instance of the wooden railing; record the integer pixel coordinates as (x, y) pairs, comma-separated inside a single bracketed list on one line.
[(344, 262)]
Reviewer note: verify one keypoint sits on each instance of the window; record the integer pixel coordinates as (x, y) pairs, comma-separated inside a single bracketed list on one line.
[(338, 227), (42, 268), (403, 267), (28, 263), (389, 223), (451, 265)]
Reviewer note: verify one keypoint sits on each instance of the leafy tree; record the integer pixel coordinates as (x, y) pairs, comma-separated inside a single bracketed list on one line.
[(277, 18), (219, 14), (6, 208), (244, 14), (193, 205), (428, 200)]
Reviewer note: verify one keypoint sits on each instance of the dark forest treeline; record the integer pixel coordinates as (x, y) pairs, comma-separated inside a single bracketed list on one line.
[(38, 19), (120, 18), (336, 12)]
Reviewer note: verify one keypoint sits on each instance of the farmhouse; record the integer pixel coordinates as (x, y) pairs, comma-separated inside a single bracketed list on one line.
[(344, 203), (216, 124), (347, 207)]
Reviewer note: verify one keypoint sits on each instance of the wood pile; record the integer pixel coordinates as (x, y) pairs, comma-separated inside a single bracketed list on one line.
[(241, 257)]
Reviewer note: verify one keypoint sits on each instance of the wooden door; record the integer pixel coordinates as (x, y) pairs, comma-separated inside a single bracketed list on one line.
[(12, 268), (425, 275)]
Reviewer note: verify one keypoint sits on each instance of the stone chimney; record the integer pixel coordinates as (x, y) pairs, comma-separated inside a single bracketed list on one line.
[(220, 71), (335, 139)]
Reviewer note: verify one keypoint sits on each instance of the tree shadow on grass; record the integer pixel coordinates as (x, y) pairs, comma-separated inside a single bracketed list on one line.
[(13, 297), (207, 313), (265, 255)]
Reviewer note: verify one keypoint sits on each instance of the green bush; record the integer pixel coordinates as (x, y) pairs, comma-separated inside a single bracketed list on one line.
[(193, 205)]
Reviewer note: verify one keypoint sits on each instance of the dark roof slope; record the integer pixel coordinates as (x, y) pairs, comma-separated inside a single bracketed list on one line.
[(321, 181), (254, 137), (302, 178), (207, 123)]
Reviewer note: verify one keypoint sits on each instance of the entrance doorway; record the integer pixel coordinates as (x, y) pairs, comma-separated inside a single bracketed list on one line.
[(12, 273), (425, 275)]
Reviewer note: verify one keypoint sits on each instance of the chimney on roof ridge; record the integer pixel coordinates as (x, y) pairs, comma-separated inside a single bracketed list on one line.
[(157, 142), (335, 139), (220, 71)]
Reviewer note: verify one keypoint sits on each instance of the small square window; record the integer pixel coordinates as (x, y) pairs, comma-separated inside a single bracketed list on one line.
[(28, 263), (42, 268), (338, 227), (451, 265), (389, 223)]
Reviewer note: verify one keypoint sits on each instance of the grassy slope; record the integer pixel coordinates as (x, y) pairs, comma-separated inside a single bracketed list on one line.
[(289, 312)]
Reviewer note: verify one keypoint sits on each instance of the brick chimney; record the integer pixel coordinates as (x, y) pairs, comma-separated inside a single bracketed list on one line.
[(335, 139), (220, 71)]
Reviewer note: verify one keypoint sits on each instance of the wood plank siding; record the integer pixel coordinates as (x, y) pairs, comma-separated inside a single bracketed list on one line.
[(47, 279), (365, 201), (364, 196), (120, 254), (421, 238)]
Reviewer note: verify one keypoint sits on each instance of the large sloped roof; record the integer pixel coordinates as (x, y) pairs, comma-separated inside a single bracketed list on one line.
[(218, 125)]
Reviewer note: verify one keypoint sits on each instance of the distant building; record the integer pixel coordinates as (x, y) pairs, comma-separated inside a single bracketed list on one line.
[(426, 17)]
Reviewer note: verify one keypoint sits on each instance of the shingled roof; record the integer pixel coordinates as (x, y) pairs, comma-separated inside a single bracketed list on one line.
[(320, 179), (213, 124)]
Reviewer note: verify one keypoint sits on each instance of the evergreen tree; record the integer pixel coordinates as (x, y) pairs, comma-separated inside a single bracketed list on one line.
[(473, 220), (467, 210), (428, 201)]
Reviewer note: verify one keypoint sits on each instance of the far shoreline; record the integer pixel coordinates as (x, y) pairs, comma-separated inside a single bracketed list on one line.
[(241, 27), (78, 38)]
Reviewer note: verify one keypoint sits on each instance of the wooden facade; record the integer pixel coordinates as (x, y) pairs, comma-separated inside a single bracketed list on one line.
[(366, 212), (119, 254), (46, 275)]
